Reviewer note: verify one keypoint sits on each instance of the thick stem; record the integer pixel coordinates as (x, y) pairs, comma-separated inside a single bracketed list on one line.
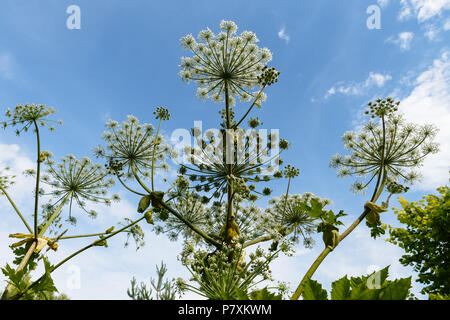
[(230, 213), (22, 264), (154, 150), (38, 177), (382, 177), (18, 296)]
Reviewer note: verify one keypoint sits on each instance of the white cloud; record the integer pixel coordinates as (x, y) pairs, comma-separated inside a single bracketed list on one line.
[(446, 25), (6, 66), (403, 40), (423, 10), (283, 35), (377, 79), (432, 32), (373, 80), (429, 102)]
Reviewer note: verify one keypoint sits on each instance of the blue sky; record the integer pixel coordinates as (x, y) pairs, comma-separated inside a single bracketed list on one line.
[(124, 60)]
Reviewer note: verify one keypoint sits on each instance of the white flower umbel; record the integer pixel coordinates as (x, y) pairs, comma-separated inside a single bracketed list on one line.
[(225, 58), (79, 181), (133, 146), (390, 147)]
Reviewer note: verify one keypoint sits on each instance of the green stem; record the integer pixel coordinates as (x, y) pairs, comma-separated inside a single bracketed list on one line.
[(38, 176), (128, 188), (133, 169), (251, 107), (15, 208), (22, 264), (190, 225), (376, 194), (54, 215), (285, 201), (18, 296), (82, 236), (230, 213), (154, 150)]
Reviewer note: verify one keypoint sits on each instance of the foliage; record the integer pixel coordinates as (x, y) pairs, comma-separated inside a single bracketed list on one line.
[(426, 239), (372, 287), (44, 290)]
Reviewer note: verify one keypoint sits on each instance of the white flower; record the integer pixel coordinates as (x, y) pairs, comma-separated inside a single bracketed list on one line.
[(224, 62)]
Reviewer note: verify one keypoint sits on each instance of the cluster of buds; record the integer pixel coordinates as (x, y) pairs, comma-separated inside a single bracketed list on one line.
[(396, 188), (382, 107), (268, 76), (254, 122), (162, 113), (291, 172), (114, 166)]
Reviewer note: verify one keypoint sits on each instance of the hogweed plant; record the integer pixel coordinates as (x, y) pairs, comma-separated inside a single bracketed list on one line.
[(213, 203), (386, 152), (73, 182), (226, 166)]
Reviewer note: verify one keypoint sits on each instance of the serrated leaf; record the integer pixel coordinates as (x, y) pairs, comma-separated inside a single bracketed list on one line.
[(397, 289), (314, 291), (264, 294), (316, 208), (340, 289), (361, 292), (45, 284)]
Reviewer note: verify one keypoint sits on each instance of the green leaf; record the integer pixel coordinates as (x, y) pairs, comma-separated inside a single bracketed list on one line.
[(340, 289), (45, 285), (264, 294), (316, 208), (313, 291), (396, 290)]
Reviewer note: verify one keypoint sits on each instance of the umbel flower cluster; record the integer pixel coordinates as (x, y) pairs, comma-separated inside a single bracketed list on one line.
[(255, 157), (288, 217), (79, 181), (225, 62), (390, 146), (224, 274), (26, 116), (131, 146)]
